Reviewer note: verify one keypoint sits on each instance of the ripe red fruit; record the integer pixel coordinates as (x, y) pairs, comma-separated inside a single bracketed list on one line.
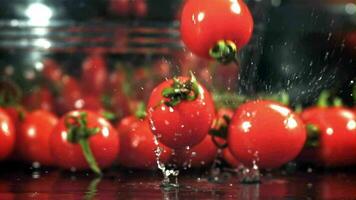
[(181, 112), (266, 133)]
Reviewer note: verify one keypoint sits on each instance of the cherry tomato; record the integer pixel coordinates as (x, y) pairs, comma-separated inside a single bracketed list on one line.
[(32, 143), (181, 112), (266, 133), (140, 8), (40, 98), (230, 159), (120, 7), (7, 135), (200, 155), (94, 74), (69, 93), (52, 71), (205, 23), (137, 141), (336, 139), (84, 139)]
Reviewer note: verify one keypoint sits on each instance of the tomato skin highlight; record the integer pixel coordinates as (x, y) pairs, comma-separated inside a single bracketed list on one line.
[(137, 148), (104, 144), (182, 125), (337, 139), (267, 133), (32, 143), (205, 22), (7, 135)]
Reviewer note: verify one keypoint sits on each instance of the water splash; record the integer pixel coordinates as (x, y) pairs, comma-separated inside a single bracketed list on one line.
[(170, 176), (250, 175)]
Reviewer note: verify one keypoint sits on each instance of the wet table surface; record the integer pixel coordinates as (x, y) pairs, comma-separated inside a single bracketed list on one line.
[(26, 183)]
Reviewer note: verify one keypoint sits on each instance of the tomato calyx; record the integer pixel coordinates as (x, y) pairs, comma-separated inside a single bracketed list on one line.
[(140, 112), (313, 136), (225, 51), (181, 91), (10, 93), (220, 130), (79, 133)]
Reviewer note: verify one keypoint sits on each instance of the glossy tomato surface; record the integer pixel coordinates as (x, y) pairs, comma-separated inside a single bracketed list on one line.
[(182, 125), (104, 144), (337, 139), (200, 155), (267, 133), (205, 22), (137, 148), (7, 135), (33, 138)]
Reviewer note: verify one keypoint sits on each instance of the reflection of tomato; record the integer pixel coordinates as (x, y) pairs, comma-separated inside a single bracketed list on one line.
[(179, 122), (84, 131), (40, 98), (200, 155), (137, 148), (7, 135), (32, 143), (337, 135), (336, 187), (266, 133), (5, 191), (41, 187)]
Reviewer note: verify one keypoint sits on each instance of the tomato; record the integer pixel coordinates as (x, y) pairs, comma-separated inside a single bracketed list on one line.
[(69, 93), (40, 98), (200, 155), (120, 7), (94, 74), (266, 133), (7, 135), (121, 104), (137, 141), (52, 71), (140, 8), (84, 139), (230, 159), (181, 112), (32, 143), (205, 23), (336, 139)]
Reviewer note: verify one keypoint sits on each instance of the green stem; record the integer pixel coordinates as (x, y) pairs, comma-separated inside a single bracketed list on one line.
[(89, 157), (337, 102), (141, 111), (313, 134), (225, 51), (323, 99)]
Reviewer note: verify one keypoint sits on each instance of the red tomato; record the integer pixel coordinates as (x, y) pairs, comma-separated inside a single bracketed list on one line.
[(337, 135), (200, 155), (267, 133), (137, 141), (204, 23), (69, 93), (121, 104), (52, 71), (120, 7), (230, 159), (79, 132), (184, 123), (94, 74), (140, 8), (7, 135), (40, 98), (16, 114), (32, 143)]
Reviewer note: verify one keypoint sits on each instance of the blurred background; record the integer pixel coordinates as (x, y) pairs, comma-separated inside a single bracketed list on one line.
[(46, 46)]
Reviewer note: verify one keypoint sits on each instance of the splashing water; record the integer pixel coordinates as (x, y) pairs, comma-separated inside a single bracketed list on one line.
[(170, 176), (250, 175)]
